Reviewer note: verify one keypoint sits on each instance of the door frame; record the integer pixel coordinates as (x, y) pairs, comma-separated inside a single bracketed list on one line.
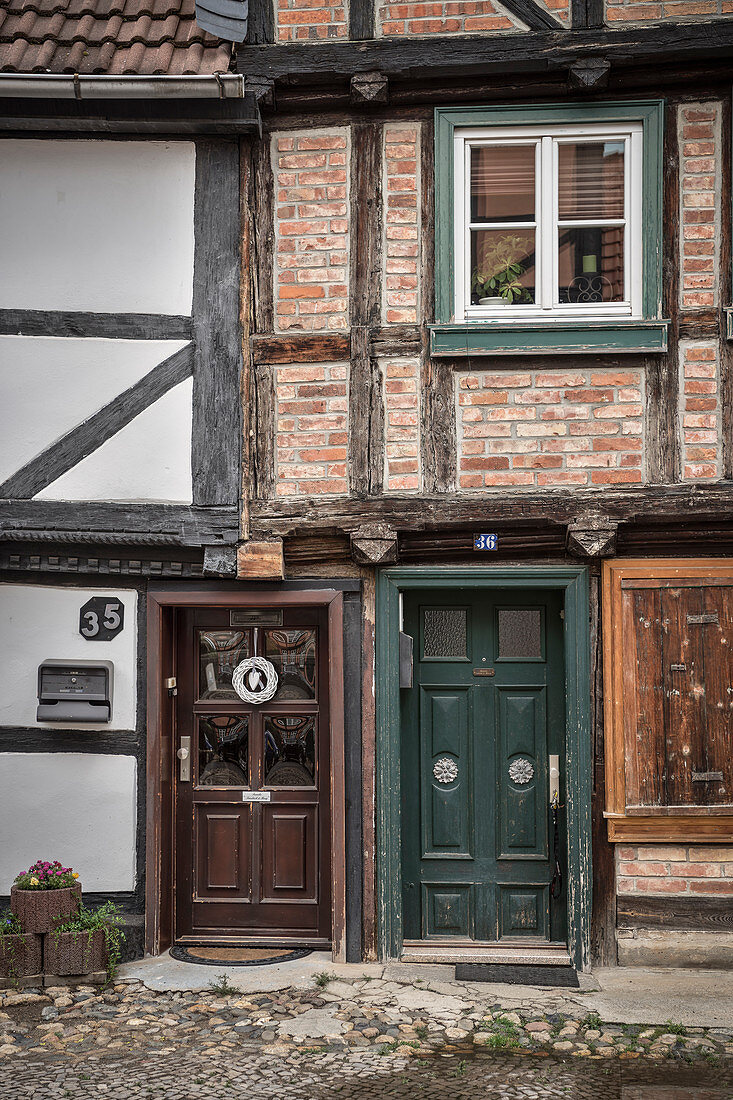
[(572, 581), (161, 759)]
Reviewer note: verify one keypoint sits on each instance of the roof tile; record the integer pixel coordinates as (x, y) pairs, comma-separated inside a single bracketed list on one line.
[(113, 37)]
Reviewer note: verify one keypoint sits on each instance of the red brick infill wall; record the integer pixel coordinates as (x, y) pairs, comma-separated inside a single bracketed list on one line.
[(675, 869), (312, 429)]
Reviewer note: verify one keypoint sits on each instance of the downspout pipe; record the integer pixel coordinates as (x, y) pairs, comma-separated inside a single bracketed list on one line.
[(73, 86)]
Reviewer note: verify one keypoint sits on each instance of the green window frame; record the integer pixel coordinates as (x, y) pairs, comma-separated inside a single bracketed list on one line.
[(454, 337)]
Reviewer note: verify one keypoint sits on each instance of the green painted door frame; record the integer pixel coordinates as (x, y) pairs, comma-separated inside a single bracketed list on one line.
[(572, 581)]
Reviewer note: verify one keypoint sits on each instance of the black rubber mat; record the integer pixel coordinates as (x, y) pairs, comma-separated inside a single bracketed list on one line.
[(236, 956), (563, 976)]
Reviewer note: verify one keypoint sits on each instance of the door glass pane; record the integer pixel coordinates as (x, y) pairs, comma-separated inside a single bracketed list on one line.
[(503, 266), (502, 183), (290, 751), (445, 632), (520, 633), (293, 653), (223, 748), (220, 653), (591, 265), (591, 178)]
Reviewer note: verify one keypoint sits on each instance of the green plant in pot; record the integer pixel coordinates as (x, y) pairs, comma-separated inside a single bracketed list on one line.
[(20, 952), (43, 894), (86, 942), (496, 278)]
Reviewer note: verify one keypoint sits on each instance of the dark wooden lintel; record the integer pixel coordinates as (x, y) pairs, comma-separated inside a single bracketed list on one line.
[(117, 524), (698, 914), (403, 59), (110, 326), (322, 347), (660, 505)]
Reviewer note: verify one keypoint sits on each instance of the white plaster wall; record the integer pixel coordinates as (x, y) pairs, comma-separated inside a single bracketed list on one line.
[(148, 460), (38, 623), (78, 808), (100, 226), (49, 385)]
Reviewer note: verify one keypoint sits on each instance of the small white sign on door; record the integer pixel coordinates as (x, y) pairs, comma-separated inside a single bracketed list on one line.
[(256, 796)]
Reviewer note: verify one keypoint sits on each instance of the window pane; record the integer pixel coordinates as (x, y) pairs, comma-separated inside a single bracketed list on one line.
[(220, 652), (290, 751), (223, 747), (293, 653), (503, 266), (502, 183), (445, 632), (591, 266), (591, 180)]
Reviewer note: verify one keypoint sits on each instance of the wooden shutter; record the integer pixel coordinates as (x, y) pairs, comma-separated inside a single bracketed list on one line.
[(668, 692)]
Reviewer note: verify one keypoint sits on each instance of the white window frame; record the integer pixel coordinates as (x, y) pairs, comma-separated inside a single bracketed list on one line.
[(546, 140)]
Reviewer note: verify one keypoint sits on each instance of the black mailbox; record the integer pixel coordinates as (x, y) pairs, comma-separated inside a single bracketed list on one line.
[(75, 691)]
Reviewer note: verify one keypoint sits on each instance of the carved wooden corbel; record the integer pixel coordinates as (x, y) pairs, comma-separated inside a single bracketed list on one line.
[(369, 89), (592, 537), (375, 544), (589, 76)]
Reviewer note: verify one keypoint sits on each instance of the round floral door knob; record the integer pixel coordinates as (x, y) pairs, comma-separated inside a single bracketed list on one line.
[(521, 771), (445, 770)]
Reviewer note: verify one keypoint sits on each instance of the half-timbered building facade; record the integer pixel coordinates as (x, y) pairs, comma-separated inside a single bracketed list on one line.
[(367, 560)]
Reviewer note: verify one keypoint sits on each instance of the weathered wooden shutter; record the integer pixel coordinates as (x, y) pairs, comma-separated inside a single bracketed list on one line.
[(668, 686)]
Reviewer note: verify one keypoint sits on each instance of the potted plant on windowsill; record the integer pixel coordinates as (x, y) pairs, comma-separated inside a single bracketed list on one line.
[(495, 279), (20, 952), (86, 942), (43, 894)]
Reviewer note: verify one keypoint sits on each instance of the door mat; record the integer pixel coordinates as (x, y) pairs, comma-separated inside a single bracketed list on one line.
[(237, 956), (517, 975)]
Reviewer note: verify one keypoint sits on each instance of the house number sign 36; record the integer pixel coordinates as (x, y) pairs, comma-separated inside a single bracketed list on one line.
[(101, 618)]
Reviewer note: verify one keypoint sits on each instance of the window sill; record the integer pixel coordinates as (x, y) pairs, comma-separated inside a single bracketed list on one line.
[(548, 337)]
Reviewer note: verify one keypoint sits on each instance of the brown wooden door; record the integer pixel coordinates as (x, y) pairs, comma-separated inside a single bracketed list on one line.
[(252, 856)]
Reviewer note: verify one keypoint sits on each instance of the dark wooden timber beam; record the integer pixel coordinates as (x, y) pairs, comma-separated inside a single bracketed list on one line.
[(320, 347), (402, 59), (654, 503), (535, 17), (110, 326), (117, 524)]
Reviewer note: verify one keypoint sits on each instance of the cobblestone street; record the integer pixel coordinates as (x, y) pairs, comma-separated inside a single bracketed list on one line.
[(364, 1038)]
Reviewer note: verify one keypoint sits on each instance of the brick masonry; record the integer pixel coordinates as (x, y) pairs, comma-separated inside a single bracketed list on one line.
[(700, 412), (311, 230), (444, 17), (699, 135), (312, 429), (636, 11), (529, 429), (310, 20), (401, 223), (675, 869), (401, 395)]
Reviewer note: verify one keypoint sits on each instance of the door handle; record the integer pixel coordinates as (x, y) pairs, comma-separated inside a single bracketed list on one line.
[(184, 756), (554, 780)]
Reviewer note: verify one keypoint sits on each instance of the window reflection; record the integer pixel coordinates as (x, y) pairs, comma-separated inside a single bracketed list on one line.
[(220, 653), (293, 653), (223, 751), (290, 751)]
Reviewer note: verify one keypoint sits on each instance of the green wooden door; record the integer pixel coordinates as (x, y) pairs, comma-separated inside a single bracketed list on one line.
[(485, 713)]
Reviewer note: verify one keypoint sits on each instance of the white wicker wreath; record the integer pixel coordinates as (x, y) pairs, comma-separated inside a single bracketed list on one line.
[(248, 675)]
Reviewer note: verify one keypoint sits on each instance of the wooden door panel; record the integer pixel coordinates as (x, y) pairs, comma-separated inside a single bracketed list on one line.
[(289, 852), (446, 806), (523, 911), (222, 840), (448, 909), (522, 803)]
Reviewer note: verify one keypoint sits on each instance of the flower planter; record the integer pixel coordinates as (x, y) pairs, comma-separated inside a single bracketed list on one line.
[(19, 956), (75, 952), (38, 910)]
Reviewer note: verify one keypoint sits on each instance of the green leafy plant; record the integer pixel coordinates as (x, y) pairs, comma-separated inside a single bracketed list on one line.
[(674, 1029), (222, 986), (105, 919), (46, 876), (504, 1034), (500, 267), (323, 979), (592, 1022)]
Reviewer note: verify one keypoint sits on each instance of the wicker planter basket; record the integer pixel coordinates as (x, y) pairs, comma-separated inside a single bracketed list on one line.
[(75, 952), (20, 956), (38, 910)]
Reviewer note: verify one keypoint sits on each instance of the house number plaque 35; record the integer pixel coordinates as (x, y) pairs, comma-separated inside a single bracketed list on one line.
[(101, 618)]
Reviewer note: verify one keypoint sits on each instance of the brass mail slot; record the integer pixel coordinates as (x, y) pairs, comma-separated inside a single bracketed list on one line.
[(706, 777), (483, 672)]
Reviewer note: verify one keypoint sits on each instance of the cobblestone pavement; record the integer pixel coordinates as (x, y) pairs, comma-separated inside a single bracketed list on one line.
[(350, 1039)]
